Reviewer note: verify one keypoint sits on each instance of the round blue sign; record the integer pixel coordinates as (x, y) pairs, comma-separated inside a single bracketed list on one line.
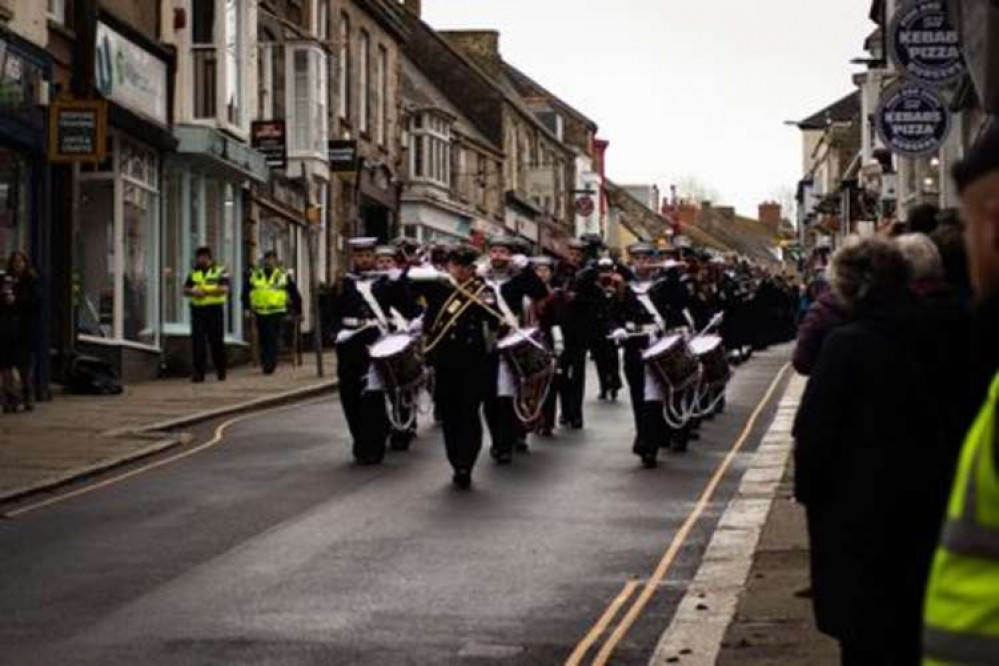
[(912, 120), (925, 45)]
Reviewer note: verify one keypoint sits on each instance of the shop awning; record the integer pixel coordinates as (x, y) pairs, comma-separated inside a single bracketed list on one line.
[(221, 151)]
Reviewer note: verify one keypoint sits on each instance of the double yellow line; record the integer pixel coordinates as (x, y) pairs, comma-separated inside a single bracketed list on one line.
[(648, 590)]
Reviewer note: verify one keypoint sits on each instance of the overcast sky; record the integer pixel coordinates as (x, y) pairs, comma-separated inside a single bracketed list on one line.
[(684, 88)]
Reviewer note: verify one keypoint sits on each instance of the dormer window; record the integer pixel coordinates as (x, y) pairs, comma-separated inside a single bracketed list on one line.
[(430, 148)]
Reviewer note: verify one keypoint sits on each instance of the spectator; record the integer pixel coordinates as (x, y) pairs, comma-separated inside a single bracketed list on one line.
[(823, 315), (923, 219), (872, 462), (20, 323)]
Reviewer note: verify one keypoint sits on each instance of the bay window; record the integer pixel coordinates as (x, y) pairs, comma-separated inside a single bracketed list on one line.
[(306, 105), (430, 149), (219, 45)]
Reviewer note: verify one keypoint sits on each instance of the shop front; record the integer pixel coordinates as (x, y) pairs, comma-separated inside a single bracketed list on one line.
[(206, 192), (117, 207), (25, 72), (429, 223)]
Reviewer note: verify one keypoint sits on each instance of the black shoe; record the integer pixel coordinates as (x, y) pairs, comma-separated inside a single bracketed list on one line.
[(695, 436), (503, 458), (546, 432), (614, 395), (521, 447), (602, 396), (650, 461), (680, 445), (221, 376), (577, 424), (462, 479), (198, 379), (563, 420), (369, 461), (400, 441)]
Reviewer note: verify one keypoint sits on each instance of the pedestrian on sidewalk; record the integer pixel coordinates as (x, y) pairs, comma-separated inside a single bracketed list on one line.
[(271, 294), (23, 298), (962, 603), (207, 287), (872, 461)]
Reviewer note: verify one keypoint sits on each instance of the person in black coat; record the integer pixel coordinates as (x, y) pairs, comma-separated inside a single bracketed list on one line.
[(19, 321), (873, 460)]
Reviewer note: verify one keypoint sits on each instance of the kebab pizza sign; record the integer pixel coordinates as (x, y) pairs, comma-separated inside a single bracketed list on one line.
[(925, 44), (912, 120)]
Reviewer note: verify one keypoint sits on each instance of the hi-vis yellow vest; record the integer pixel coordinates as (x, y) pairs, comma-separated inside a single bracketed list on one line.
[(209, 281), (269, 295), (961, 619)]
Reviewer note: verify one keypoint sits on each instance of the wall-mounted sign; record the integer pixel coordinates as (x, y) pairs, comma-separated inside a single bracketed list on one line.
[(77, 131), (343, 156), (912, 120), (128, 75), (270, 137), (585, 206), (925, 45)]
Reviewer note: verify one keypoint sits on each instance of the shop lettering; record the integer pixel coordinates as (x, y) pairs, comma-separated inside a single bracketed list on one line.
[(930, 37), (914, 116)]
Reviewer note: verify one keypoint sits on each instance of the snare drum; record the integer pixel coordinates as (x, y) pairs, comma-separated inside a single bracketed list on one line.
[(710, 351), (672, 363), (526, 353), (399, 363)]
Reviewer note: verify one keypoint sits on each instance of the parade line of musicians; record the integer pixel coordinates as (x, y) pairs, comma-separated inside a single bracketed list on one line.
[(508, 336)]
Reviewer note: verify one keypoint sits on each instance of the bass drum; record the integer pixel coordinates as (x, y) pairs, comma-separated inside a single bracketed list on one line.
[(399, 363), (672, 363), (526, 353), (710, 351)]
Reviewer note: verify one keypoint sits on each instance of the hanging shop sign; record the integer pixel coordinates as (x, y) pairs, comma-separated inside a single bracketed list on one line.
[(130, 76), (270, 137), (342, 156), (77, 131), (585, 206), (912, 120), (924, 43)]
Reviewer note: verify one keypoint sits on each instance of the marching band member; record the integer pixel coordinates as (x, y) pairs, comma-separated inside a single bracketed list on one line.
[(509, 283), (604, 350), (582, 299), (459, 338), (549, 314), (359, 319)]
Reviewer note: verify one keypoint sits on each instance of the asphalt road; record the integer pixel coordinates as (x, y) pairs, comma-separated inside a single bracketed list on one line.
[(272, 548)]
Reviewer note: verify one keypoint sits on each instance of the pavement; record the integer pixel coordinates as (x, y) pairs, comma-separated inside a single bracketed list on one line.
[(271, 547), (75, 436)]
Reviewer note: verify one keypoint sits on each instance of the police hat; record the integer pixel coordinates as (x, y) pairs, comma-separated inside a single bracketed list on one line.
[(543, 261), (641, 250), (981, 160), (361, 244), (463, 255), (509, 242), (386, 251)]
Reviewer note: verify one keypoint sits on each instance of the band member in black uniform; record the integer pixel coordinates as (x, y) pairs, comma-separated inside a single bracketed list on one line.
[(582, 300), (548, 316), (641, 319), (605, 353), (459, 337), (511, 284), (359, 317)]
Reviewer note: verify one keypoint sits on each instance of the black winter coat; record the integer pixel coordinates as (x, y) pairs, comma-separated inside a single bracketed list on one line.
[(874, 458)]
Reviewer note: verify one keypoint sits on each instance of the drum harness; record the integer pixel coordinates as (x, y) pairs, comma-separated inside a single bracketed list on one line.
[(400, 401)]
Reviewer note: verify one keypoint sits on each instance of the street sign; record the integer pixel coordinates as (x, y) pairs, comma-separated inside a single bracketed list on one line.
[(342, 156), (77, 131), (585, 206), (924, 44), (912, 120), (270, 138)]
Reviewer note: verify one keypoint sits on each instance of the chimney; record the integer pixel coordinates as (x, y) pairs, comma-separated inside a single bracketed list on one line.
[(770, 215), (414, 6), (483, 44)]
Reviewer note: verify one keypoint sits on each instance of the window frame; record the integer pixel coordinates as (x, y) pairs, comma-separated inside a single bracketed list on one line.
[(245, 36), (343, 69), (430, 147), (364, 83), (58, 11), (381, 84), (316, 100)]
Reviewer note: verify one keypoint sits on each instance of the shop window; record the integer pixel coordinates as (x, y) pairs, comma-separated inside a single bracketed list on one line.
[(218, 55), (307, 96), (14, 181), (430, 149)]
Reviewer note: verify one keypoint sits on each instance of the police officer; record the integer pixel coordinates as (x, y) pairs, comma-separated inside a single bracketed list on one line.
[(270, 293), (207, 287), (360, 317), (460, 334), (510, 284), (961, 618)]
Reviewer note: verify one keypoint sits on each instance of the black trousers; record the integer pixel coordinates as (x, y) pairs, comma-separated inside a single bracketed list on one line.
[(208, 334), (504, 427), (573, 384), (608, 364), (363, 409), (460, 390), (650, 425), (269, 334)]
